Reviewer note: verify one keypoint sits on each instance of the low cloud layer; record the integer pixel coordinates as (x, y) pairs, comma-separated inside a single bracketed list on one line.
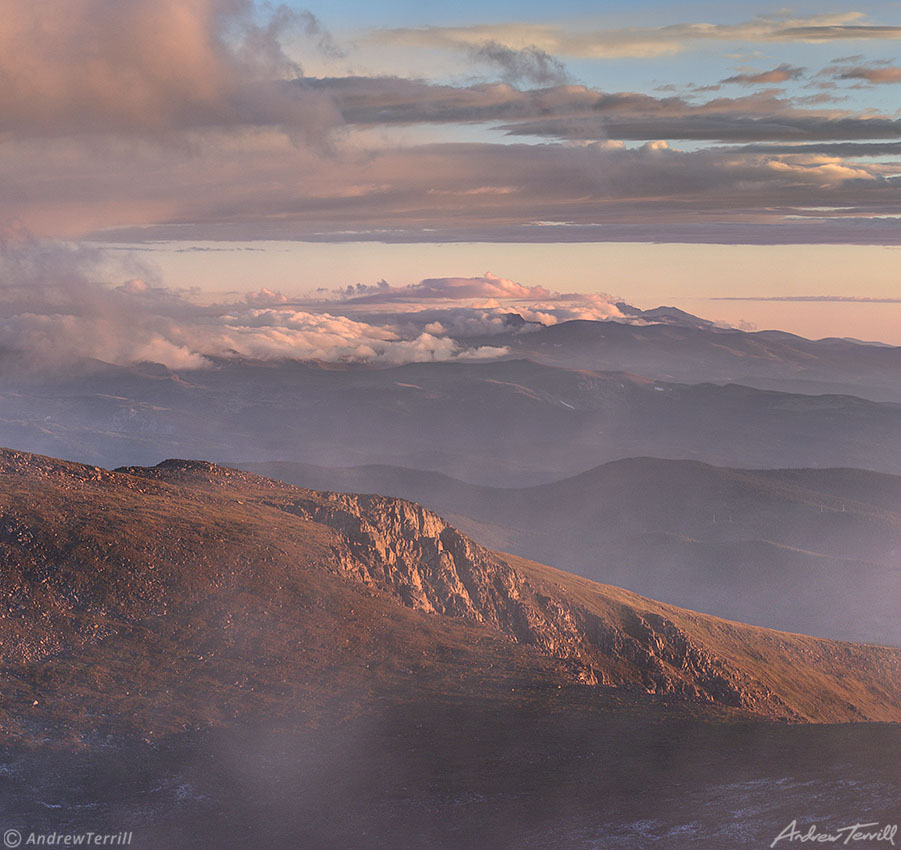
[(467, 307), (56, 313), (60, 310)]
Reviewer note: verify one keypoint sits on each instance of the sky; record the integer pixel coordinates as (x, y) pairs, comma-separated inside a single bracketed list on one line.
[(741, 161)]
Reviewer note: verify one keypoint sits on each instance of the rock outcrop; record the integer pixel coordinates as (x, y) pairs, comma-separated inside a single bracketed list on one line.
[(310, 584), (412, 554)]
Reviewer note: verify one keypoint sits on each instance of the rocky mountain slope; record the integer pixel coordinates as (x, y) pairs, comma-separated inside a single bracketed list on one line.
[(184, 595), (805, 550)]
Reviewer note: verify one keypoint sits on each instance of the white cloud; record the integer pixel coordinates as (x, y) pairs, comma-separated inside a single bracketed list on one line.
[(56, 311), (463, 308)]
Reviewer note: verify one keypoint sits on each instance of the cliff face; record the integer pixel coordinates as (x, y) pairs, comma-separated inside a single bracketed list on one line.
[(741, 544), (220, 587), (416, 557)]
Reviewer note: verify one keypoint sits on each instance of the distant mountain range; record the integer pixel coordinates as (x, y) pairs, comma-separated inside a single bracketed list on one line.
[(682, 348), (665, 316), (808, 550), (506, 423)]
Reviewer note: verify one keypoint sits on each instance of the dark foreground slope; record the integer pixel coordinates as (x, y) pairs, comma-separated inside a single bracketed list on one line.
[(816, 551), (213, 659)]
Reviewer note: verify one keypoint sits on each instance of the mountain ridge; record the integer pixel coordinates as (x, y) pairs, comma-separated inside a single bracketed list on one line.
[(806, 550), (511, 422), (180, 582), (697, 352)]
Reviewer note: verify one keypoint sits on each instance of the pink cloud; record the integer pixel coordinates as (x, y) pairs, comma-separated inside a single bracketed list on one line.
[(56, 310), (151, 66), (451, 288)]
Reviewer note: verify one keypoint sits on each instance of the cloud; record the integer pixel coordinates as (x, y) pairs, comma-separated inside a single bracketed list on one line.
[(489, 319), (780, 74), (528, 64), (835, 149), (583, 185), (853, 299), (855, 68), (301, 335), (838, 33), (57, 313), (643, 42), (457, 307), (265, 298), (53, 313), (153, 67), (322, 38), (869, 73), (166, 119), (710, 125), (373, 101), (758, 117), (452, 288), (463, 192), (465, 307), (579, 112)]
